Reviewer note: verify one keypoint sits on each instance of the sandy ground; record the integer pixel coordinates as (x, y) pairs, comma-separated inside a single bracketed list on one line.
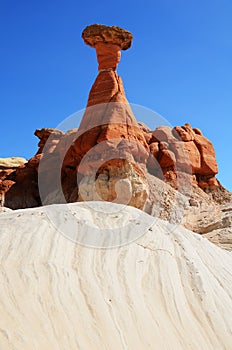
[(167, 289)]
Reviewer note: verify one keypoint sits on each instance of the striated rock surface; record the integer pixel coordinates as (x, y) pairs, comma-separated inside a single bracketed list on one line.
[(212, 221), (208, 214), (7, 167), (108, 42), (169, 289)]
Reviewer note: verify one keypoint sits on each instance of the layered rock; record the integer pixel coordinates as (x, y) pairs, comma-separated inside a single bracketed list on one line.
[(7, 167), (110, 153), (18, 183), (109, 139), (112, 157), (212, 221), (48, 136), (168, 289)]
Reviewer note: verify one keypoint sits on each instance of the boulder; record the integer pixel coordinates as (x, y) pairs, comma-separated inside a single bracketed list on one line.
[(166, 159), (48, 136), (187, 155), (208, 157), (185, 132), (11, 162)]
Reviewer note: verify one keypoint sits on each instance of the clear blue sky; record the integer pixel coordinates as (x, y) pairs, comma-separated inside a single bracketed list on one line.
[(179, 65)]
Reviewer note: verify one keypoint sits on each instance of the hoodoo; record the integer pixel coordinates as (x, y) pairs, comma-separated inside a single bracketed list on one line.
[(110, 145), (113, 157)]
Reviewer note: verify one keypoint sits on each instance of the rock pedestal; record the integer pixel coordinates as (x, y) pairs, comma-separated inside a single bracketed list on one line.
[(110, 156), (110, 148)]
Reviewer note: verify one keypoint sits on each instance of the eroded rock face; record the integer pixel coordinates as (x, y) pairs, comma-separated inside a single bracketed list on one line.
[(11, 162), (8, 166), (184, 150), (108, 42), (18, 183), (53, 137), (111, 156), (84, 151), (117, 181), (109, 139), (99, 33), (212, 221)]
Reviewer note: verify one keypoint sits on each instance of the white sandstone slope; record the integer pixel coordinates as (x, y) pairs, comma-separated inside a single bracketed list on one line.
[(170, 289)]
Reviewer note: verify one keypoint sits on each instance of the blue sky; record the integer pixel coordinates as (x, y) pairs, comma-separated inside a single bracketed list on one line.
[(179, 66)]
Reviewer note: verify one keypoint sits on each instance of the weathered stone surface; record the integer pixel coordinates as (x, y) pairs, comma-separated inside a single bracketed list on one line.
[(20, 188), (188, 158), (164, 133), (149, 137), (197, 131), (208, 157), (212, 221), (208, 182), (8, 168), (34, 161), (194, 154), (12, 162), (154, 149), (108, 129), (98, 33), (108, 56), (107, 88), (108, 41), (213, 183), (185, 132), (144, 127), (110, 156), (5, 210), (166, 159), (66, 144), (117, 181), (48, 134)]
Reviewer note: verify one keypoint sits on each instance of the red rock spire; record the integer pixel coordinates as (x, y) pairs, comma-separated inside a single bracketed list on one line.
[(109, 130), (114, 113), (108, 42)]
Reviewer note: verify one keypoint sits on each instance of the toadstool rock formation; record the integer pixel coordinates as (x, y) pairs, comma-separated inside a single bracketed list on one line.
[(112, 157), (109, 142)]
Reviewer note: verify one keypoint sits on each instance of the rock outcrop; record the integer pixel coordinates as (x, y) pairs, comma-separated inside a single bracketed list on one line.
[(109, 148), (113, 157), (169, 289), (11, 162), (183, 150), (7, 167)]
